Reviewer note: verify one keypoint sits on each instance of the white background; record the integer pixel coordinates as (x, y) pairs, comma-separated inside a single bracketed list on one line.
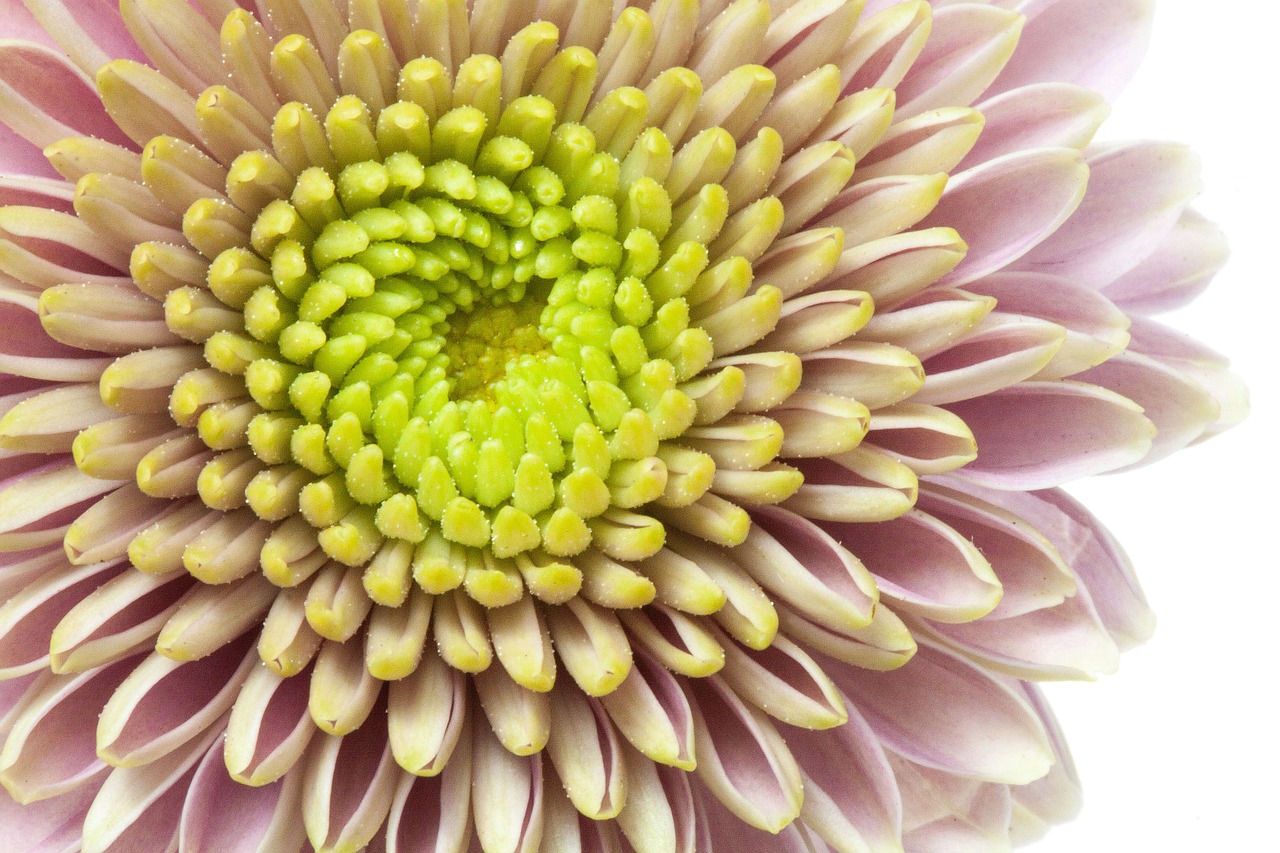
[(1179, 751)]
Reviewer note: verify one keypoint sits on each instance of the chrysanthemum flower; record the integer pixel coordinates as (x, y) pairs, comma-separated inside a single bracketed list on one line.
[(441, 426)]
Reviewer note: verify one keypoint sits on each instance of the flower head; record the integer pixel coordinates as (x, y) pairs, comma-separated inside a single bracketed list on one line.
[(431, 425)]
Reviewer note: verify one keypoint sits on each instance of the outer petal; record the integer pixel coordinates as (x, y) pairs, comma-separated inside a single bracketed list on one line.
[(1093, 43)]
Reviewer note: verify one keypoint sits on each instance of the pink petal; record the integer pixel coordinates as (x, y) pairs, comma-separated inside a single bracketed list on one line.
[(1096, 329), (743, 758), (347, 787), (1180, 407), (44, 98), (1041, 434), (1192, 358), (509, 817), (968, 46), (1001, 350), (942, 712), (52, 749), (850, 796), (90, 31), (1043, 115), (1092, 43), (49, 826), (1179, 269), (946, 813), (265, 818), (432, 815), (923, 565), (26, 350), (1137, 192), (1055, 798), (269, 728), (1006, 207)]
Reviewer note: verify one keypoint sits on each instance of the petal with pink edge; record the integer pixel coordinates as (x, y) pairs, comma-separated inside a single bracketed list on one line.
[(968, 47), (946, 813), (1054, 798), (90, 31), (1007, 207), (44, 98), (509, 818), (348, 785), (433, 815), (1093, 43), (1041, 434), (1137, 192), (942, 712), (265, 817), (1042, 115), (49, 826)]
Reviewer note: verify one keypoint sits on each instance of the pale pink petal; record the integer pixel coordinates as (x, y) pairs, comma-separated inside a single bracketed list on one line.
[(1041, 434), (1093, 43), (508, 818), (266, 818), (348, 785), (1207, 368), (1137, 192), (968, 46), (1043, 115), (948, 813), (51, 193), (139, 808), (1006, 207), (743, 758), (943, 712), (433, 815), (49, 826), (1001, 350), (850, 798), (16, 22), (1095, 558), (25, 349), (90, 31), (1055, 798), (51, 749), (1179, 269), (1095, 328), (1180, 407), (44, 98), (38, 504), (923, 565), (269, 728)]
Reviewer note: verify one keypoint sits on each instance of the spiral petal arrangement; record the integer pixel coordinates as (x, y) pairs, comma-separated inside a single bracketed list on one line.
[(433, 425)]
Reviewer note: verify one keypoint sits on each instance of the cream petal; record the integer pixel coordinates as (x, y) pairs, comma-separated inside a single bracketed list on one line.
[(53, 825), (146, 104), (930, 321), (90, 31), (1093, 43), (1001, 350), (882, 207), (164, 704), (850, 798), (865, 484), (1179, 269), (967, 48), (50, 750), (732, 39), (807, 35), (265, 817), (509, 817), (519, 717), (875, 374), (434, 815), (119, 618), (784, 682), (1095, 329), (586, 752), (651, 711), (926, 439), (44, 98), (676, 26), (209, 617), (140, 807), (896, 268), (883, 645), (348, 784), (43, 248), (426, 713), (800, 563), (1006, 207), (175, 37), (48, 421), (343, 692), (40, 503), (20, 189), (942, 712), (680, 643), (659, 815), (744, 759), (933, 142), (1093, 430), (269, 728), (885, 46), (1040, 115), (1137, 192), (592, 645)]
